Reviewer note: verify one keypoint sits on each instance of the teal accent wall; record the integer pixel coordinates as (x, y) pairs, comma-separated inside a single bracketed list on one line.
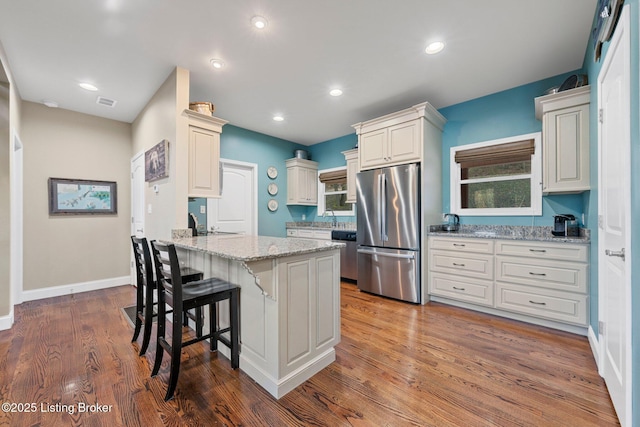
[(501, 115), (328, 154), (244, 145)]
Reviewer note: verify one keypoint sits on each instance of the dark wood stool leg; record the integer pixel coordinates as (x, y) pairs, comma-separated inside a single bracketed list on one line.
[(234, 320), (162, 318), (139, 312), (213, 327), (176, 351), (148, 320)]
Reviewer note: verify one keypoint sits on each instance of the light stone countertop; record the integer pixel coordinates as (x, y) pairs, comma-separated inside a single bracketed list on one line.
[(534, 233), (241, 247)]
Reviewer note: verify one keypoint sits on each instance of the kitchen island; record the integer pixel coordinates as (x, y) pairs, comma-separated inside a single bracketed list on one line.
[(289, 302)]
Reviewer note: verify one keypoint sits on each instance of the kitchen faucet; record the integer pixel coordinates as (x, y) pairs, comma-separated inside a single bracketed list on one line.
[(334, 220)]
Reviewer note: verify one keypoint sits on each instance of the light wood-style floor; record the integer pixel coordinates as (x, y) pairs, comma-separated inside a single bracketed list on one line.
[(397, 365)]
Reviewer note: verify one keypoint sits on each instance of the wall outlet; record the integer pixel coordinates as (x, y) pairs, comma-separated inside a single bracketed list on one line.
[(203, 209), (304, 217)]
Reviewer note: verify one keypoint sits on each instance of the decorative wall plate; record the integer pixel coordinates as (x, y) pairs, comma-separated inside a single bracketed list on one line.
[(272, 172), (273, 205), (272, 189)]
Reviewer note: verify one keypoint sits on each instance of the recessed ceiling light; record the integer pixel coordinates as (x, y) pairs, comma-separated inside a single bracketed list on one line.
[(88, 86), (335, 92), (259, 22), (278, 118), (217, 63), (50, 104), (434, 48)]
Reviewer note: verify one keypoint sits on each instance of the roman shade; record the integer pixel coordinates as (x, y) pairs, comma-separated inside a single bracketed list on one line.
[(496, 154), (334, 177)]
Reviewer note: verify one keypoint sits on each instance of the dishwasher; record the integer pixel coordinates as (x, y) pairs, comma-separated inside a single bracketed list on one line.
[(348, 254)]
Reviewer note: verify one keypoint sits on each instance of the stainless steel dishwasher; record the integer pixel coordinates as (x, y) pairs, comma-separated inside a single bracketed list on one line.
[(348, 254)]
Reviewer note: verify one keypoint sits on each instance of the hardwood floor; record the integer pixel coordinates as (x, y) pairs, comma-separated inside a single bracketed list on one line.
[(398, 364)]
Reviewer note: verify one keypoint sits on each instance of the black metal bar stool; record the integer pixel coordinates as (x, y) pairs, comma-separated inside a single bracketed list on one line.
[(197, 294), (146, 285)]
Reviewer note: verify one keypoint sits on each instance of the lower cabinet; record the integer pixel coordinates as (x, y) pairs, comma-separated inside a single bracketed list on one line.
[(545, 280)]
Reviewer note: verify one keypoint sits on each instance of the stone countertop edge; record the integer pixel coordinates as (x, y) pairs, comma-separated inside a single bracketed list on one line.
[(506, 232), (253, 248), (323, 225)]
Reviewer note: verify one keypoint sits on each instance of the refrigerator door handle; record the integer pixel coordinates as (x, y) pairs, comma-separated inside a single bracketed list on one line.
[(383, 208), (385, 254)]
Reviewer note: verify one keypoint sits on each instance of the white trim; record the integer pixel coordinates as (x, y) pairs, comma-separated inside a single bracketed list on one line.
[(6, 322), (57, 291), (321, 194), (536, 179), (16, 257), (595, 346)]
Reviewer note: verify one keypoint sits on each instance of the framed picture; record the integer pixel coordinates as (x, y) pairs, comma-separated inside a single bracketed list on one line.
[(156, 162), (81, 196)]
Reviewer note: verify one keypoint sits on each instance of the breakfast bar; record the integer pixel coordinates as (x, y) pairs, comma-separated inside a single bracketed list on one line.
[(289, 301)]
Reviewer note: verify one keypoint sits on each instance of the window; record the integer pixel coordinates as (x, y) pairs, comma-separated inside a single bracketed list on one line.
[(332, 193), (500, 177)]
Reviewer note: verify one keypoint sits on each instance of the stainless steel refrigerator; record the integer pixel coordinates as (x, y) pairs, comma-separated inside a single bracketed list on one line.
[(389, 232)]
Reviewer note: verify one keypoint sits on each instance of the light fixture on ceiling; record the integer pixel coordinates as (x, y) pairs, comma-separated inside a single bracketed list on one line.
[(434, 48), (50, 104), (88, 86), (335, 92), (278, 118), (217, 63), (259, 22)]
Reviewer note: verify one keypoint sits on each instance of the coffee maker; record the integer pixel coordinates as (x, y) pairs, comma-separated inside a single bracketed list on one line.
[(565, 225)]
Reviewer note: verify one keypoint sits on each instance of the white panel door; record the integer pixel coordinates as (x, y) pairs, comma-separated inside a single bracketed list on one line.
[(236, 210), (614, 255)]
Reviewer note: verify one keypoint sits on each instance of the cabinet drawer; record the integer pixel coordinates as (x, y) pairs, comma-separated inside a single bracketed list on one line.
[(483, 246), (551, 251), (471, 290), (305, 233), (292, 232), (554, 305), (322, 234), (560, 275), (471, 265)]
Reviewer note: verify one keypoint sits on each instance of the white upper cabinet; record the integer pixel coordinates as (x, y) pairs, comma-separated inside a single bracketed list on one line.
[(351, 157), (302, 182), (565, 140), (204, 155), (397, 138)]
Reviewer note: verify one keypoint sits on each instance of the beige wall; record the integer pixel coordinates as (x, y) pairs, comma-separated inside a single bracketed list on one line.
[(65, 250), (162, 118)]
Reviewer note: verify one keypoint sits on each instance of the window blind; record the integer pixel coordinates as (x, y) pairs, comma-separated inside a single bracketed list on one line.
[(334, 177), (496, 154)]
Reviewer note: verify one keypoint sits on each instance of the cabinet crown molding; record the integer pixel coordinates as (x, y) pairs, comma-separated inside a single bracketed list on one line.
[(210, 122), (423, 110), (564, 99)]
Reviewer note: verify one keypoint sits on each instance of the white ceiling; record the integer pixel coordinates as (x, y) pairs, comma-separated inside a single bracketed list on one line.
[(372, 49)]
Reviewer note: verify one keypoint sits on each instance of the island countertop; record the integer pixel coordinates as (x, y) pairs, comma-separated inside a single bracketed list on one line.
[(245, 248)]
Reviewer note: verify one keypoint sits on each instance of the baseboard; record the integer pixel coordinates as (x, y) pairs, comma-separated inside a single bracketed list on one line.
[(6, 322), (57, 291), (595, 346)]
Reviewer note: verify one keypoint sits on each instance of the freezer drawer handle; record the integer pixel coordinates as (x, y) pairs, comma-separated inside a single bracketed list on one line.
[(403, 256)]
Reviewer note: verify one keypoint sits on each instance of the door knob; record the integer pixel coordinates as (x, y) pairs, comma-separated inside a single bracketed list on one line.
[(619, 253)]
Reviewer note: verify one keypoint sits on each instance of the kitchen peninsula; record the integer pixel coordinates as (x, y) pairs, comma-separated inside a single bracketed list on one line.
[(289, 301)]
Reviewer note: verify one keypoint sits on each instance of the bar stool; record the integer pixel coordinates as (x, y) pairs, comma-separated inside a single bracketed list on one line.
[(144, 300), (197, 294)]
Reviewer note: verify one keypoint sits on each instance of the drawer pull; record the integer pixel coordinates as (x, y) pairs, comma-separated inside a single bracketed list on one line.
[(461, 245), (458, 265), (537, 303), (538, 250), (458, 289), (537, 274)]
